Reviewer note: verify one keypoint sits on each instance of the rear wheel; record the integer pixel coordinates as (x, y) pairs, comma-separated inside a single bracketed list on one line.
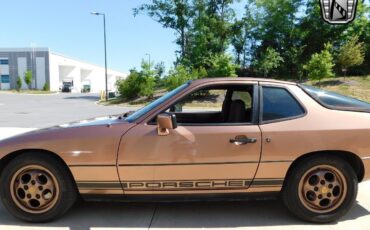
[(320, 189), (36, 187)]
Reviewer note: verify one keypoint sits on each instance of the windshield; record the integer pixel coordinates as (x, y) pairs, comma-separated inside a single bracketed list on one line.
[(155, 103), (336, 101)]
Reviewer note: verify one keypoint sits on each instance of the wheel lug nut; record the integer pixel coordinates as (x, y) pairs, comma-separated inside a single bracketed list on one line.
[(329, 194), (322, 182), (33, 182), (29, 196), (25, 187), (330, 186), (320, 196), (316, 189), (38, 196), (40, 188)]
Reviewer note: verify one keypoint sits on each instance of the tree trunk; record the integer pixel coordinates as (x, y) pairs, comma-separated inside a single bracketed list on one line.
[(183, 42)]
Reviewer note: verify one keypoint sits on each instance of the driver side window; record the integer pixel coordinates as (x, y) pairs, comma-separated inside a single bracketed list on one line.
[(215, 105), (202, 101)]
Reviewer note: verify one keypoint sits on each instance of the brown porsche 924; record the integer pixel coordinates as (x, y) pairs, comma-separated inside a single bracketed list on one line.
[(207, 137)]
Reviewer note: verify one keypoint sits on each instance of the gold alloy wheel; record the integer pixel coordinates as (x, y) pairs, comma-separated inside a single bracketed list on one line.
[(322, 189), (34, 189)]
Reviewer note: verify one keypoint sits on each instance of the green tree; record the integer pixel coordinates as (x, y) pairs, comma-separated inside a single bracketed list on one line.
[(351, 53), (239, 41), (178, 76), (295, 60), (243, 31), (138, 83), (274, 24), (313, 33), (19, 83), (221, 66), (321, 64), (173, 14), (268, 61), (147, 79), (129, 88), (211, 31), (28, 78), (199, 73), (360, 27), (203, 27), (160, 70)]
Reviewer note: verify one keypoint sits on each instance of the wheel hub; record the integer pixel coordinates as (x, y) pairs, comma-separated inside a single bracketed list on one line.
[(322, 189), (34, 189)]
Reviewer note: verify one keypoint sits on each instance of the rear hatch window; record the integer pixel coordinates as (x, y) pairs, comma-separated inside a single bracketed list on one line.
[(336, 101)]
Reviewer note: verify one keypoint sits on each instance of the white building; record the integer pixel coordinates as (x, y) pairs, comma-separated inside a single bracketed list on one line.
[(52, 68)]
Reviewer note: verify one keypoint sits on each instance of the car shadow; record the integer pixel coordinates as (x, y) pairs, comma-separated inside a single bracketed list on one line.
[(261, 213), (83, 97)]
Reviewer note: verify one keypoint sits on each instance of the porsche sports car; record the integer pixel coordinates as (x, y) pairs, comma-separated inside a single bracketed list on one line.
[(224, 137)]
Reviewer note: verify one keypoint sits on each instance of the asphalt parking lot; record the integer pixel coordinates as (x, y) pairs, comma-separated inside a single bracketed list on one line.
[(21, 113), (40, 111)]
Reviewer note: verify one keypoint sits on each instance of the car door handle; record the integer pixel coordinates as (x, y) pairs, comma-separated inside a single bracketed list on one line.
[(242, 140)]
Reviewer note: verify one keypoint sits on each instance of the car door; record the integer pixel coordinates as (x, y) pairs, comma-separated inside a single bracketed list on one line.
[(286, 130), (193, 158)]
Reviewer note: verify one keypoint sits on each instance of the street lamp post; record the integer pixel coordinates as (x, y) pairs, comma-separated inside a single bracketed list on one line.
[(149, 59), (105, 54)]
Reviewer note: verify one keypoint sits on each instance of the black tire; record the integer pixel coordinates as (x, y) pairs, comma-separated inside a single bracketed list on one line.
[(291, 189), (67, 192)]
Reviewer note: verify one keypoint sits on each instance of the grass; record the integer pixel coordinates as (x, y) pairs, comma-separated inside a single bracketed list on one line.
[(356, 87), (28, 91)]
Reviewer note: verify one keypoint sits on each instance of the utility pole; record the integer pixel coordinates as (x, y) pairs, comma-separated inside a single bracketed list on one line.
[(149, 60), (105, 54)]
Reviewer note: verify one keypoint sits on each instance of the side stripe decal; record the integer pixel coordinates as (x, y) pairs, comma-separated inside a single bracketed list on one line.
[(172, 164), (182, 185)]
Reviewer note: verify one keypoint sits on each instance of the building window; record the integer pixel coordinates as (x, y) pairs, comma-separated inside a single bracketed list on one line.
[(4, 61), (5, 79)]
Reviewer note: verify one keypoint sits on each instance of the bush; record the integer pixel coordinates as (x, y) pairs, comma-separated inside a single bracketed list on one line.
[(19, 83), (46, 87), (181, 74), (146, 86), (28, 78), (221, 66), (352, 53), (321, 64), (129, 87), (135, 85), (268, 61)]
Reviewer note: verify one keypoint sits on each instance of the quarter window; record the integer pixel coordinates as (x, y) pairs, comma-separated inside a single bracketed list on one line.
[(278, 103), (336, 101)]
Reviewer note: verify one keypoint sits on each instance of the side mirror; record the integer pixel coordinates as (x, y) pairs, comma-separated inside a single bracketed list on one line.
[(165, 122)]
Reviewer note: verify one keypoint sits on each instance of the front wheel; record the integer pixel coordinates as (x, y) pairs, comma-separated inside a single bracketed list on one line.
[(36, 187), (320, 189)]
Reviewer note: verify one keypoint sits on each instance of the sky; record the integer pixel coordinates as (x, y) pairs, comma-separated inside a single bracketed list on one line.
[(67, 27)]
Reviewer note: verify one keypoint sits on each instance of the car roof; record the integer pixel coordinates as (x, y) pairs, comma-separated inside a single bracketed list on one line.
[(231, 79)]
